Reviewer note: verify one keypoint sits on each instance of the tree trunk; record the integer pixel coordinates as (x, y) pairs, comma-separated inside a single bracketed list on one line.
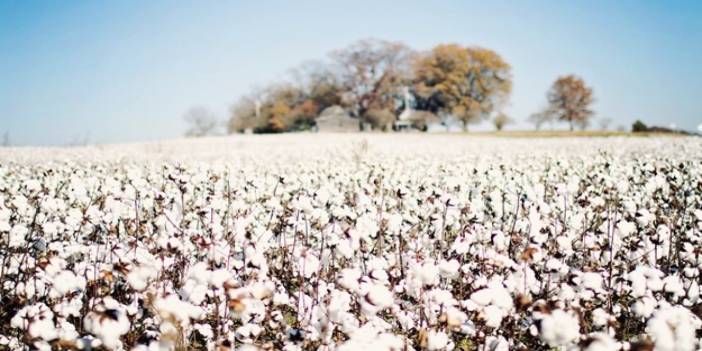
[(465, 126)]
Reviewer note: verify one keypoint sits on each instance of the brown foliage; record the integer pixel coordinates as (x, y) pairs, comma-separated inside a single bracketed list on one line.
[(569, 100), (468, 83)]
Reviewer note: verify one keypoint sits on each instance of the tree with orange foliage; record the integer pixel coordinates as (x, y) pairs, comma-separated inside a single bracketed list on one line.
[(570, 99), (468, 83)]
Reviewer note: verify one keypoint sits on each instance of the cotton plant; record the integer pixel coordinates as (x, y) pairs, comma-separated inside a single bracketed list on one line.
[(496, 245)]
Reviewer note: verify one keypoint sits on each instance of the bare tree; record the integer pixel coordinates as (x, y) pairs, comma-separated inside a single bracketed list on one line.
[(538, 119), (201, 122), (6, 139), (371, 71), (604, 123)]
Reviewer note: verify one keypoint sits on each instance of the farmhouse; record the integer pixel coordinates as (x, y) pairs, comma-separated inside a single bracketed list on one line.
[(334, 119)]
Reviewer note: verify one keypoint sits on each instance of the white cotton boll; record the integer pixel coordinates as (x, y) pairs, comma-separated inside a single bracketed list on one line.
[(140, 275), (66, 281), (349, 279), (592, 280), (600, 317), (309, 264), (37, 320), (345, 248), (194, 292), (394, 223), (427, 274), (173, 307), (461, 245), (644, 217), (218, 277), (482, 297), (693, 293), (449, 269), (673, 285), (626, 228), (698, 215), (644, 306), (559, 328), (437, 340), (600, 342), (248, 332), (496, 343), (376, 298), (17, 235), (493, 316), (108, 322), (673, 328)]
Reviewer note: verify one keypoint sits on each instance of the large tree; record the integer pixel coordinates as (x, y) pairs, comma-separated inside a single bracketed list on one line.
[(570, 100), (371, 72), (468, 83)]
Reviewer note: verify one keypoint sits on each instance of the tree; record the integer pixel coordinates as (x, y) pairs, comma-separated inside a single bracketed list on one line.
[(371, 72), (539, 118), (246, 114), (569, 100), (501, 120), (604, 123), (468, 83), (319, 83), (639, 127), (201, 122)]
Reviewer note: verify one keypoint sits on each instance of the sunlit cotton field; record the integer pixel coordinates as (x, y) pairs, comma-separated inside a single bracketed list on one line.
[(353, 242)]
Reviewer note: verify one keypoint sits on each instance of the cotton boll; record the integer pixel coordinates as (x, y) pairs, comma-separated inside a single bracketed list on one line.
[(108, 321), (376, 298), (66, 281), (644, 306), (173, 307), (449, 269), (349, 279), (559, 328), (427, 273), (17, 235), (673, 328), (37, 320), (592, 280), (600, 342), (437, 340)]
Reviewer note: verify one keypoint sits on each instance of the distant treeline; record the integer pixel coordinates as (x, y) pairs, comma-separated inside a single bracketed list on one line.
[(375, 81)]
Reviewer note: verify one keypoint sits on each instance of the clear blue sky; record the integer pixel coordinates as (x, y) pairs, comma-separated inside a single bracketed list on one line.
[(127, 70)]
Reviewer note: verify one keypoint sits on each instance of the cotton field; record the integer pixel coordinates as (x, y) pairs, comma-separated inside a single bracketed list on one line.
[(353, 242)]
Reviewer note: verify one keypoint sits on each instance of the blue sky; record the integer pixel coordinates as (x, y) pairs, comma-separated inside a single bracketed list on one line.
[(118, 71)]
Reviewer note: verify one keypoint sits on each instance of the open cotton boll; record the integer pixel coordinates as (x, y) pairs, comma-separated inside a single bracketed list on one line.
[(427, 273), (37, 321), (673, 328), (66, 281), (349, 279), (173, 307), (592, 281), (375, 298), (600, 342), (449, 269), (108, 322), (437, 340), (559, 328), (17, 235)]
